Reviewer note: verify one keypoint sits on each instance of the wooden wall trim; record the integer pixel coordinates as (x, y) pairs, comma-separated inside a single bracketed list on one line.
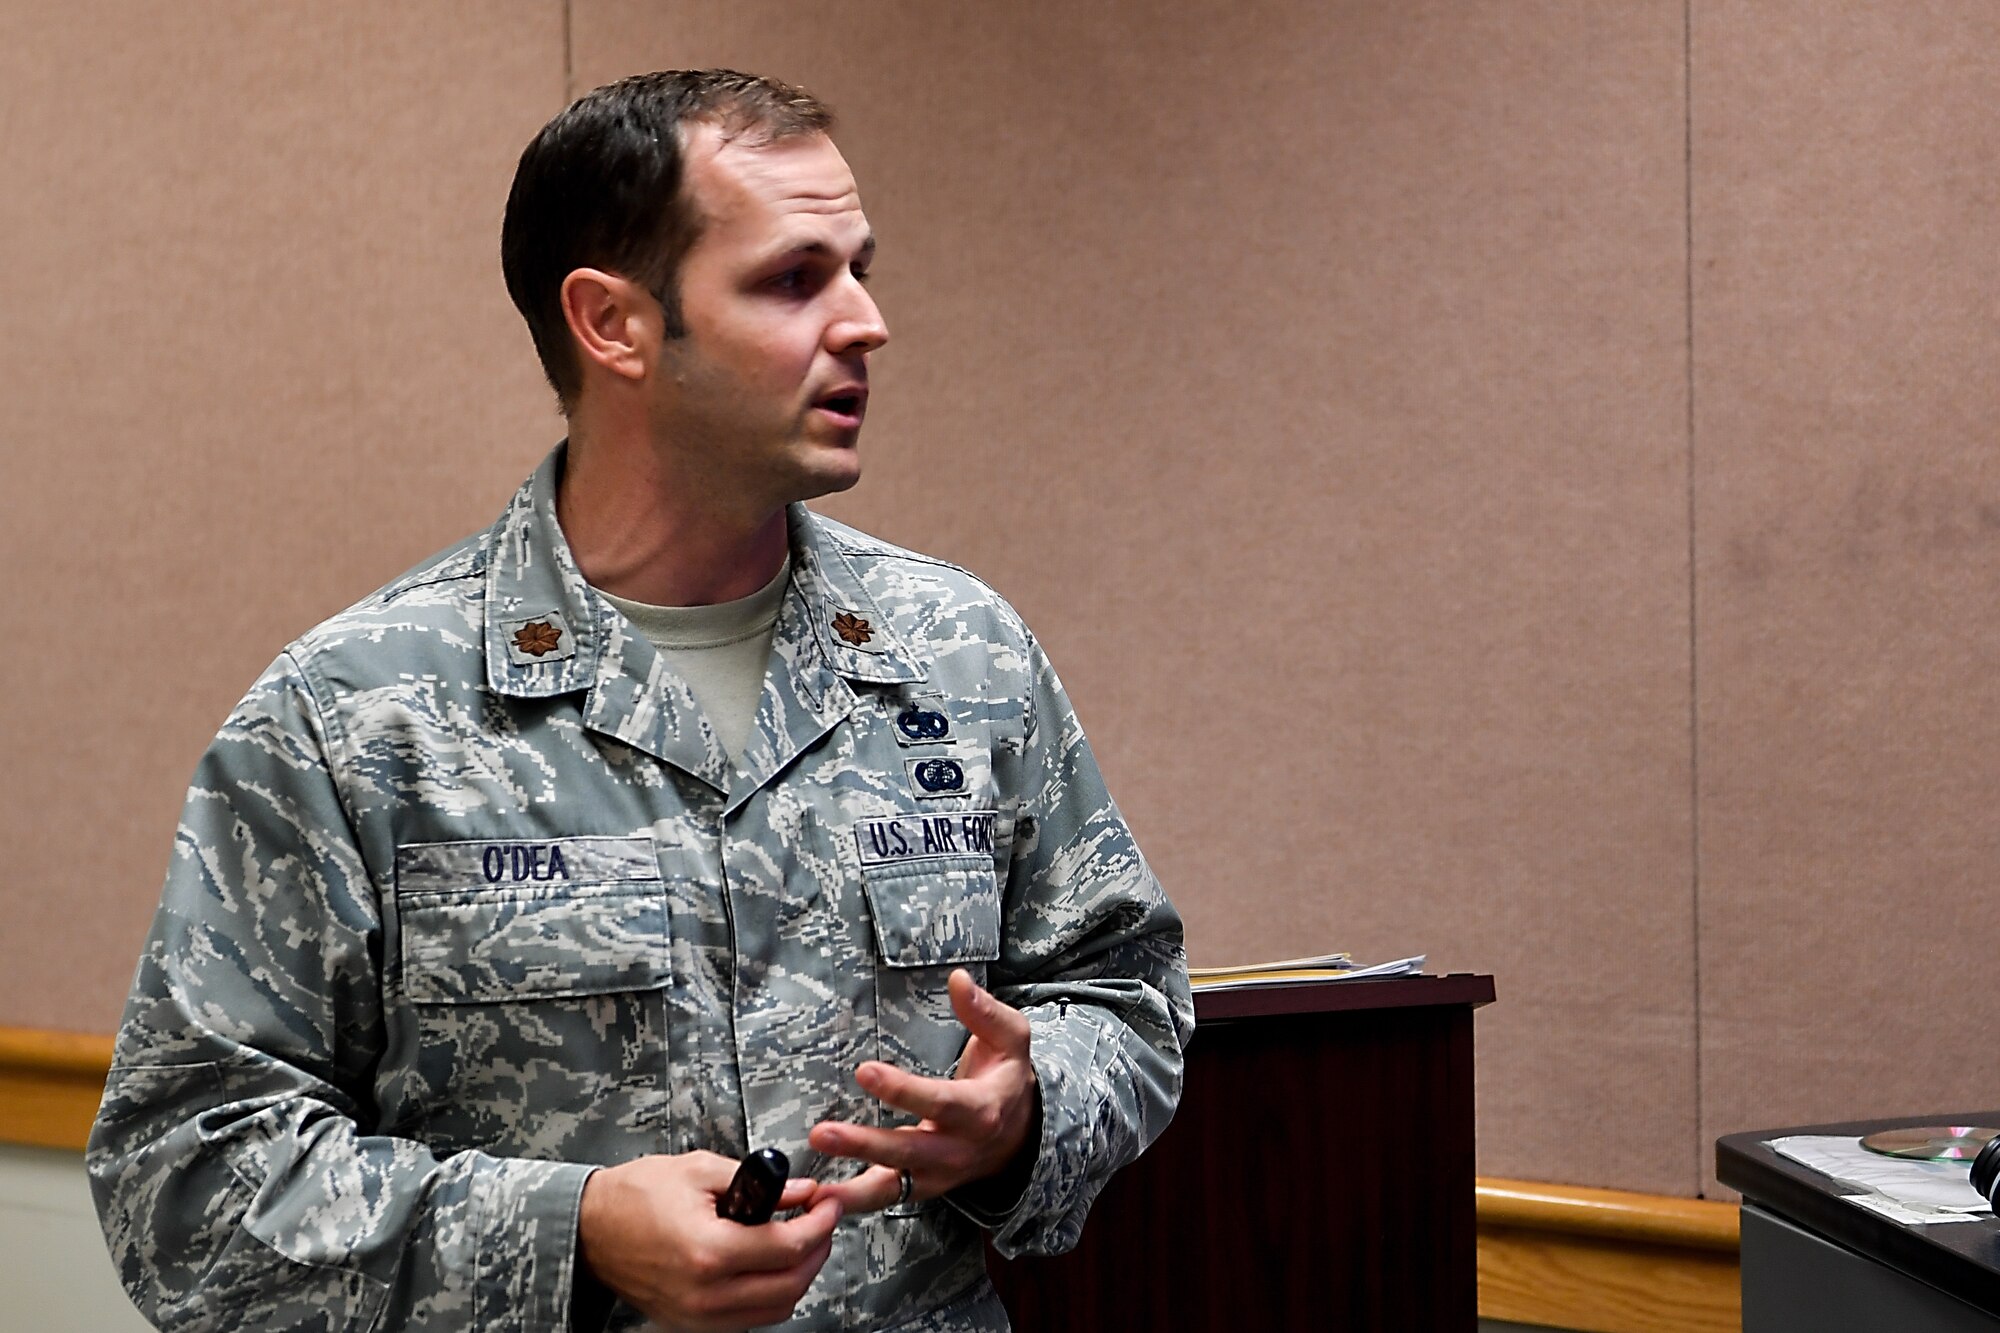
[(1608, 1261), (67, 1054), (1579, 1210), (1566, 1256), (50, 1084)]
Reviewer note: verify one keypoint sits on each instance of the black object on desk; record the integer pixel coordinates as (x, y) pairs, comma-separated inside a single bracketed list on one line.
[(1319, 1175), (1812, 1260)]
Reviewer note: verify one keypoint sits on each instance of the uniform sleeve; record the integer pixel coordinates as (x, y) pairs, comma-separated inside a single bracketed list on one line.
[(236, 1164), (1092, 952)]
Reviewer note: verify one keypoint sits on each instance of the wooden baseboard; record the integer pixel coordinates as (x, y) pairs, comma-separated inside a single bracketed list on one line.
[(1566, 1256), (50, 1084), (1607, 1261)]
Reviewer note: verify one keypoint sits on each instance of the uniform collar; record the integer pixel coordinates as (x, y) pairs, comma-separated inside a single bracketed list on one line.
[(543, 630), (854, 637), (546, 631)]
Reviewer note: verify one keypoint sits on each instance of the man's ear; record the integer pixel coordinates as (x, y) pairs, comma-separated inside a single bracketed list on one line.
[(615, 321)]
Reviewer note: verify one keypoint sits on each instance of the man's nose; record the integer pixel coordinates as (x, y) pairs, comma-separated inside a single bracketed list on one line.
[(860, 327)]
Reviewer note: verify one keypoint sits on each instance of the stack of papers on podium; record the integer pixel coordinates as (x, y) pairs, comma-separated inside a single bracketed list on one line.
[(1321, 967), (1902, 1189)]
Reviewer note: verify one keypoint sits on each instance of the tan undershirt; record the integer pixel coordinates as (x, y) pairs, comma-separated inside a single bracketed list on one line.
[(718, 650)]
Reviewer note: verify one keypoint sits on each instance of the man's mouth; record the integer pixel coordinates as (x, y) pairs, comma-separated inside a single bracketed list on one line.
[(847, 405)]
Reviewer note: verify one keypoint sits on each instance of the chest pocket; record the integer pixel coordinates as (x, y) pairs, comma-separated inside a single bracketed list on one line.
[(488, 922), (935, 913), (936, 906), (931, 889)]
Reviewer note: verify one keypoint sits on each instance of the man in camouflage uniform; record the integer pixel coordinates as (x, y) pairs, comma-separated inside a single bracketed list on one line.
[(484, 953)]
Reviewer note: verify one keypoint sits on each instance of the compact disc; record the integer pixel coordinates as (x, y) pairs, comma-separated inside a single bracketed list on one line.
[(1937, 1143)]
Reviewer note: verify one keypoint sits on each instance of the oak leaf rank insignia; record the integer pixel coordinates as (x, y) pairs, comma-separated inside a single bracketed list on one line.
[(852, 628), (537, 638)]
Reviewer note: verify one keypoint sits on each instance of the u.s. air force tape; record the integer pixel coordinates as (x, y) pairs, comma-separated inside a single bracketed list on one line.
[(912, 837)]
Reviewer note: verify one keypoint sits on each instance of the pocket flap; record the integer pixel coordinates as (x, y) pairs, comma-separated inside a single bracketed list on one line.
[(484, 923), (935, 911)]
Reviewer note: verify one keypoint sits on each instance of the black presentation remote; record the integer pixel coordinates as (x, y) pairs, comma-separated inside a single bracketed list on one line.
[(753, 1194)]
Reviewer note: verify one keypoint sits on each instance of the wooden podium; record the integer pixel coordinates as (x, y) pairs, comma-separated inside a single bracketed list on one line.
[(1317, 1175)]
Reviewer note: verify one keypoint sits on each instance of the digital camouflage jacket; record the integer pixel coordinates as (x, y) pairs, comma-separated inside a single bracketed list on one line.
[(467, 899)]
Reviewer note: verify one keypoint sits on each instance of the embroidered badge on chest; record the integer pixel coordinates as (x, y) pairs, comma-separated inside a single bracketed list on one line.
[(936, 777), (922, 722), (538, 638)]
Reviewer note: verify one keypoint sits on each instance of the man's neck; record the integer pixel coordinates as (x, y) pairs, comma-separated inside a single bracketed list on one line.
[(639, 533)]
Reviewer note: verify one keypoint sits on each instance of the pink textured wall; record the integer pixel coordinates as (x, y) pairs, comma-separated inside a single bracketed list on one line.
[(1316, 379), (256, 359), (1847, 273)]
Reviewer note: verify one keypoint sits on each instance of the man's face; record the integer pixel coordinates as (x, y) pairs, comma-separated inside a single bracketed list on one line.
[(763, 397)]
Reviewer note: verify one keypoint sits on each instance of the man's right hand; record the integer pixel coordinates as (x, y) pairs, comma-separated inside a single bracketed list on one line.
[(650, 1232)]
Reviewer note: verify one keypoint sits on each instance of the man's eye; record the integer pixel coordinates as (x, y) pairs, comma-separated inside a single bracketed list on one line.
[(791, 280), (860, 274)]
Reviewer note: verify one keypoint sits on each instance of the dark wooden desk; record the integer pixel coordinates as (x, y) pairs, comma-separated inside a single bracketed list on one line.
[(1319, 1174), (1813, 1260)]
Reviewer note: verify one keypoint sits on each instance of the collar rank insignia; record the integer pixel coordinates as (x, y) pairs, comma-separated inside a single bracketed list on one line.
[(852, 628), (537, 639)]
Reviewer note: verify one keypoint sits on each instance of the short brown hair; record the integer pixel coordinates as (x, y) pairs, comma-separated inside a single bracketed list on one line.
[(602, 186)]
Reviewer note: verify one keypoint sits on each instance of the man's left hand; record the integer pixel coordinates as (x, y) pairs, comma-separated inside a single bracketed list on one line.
[(973, 1125)]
